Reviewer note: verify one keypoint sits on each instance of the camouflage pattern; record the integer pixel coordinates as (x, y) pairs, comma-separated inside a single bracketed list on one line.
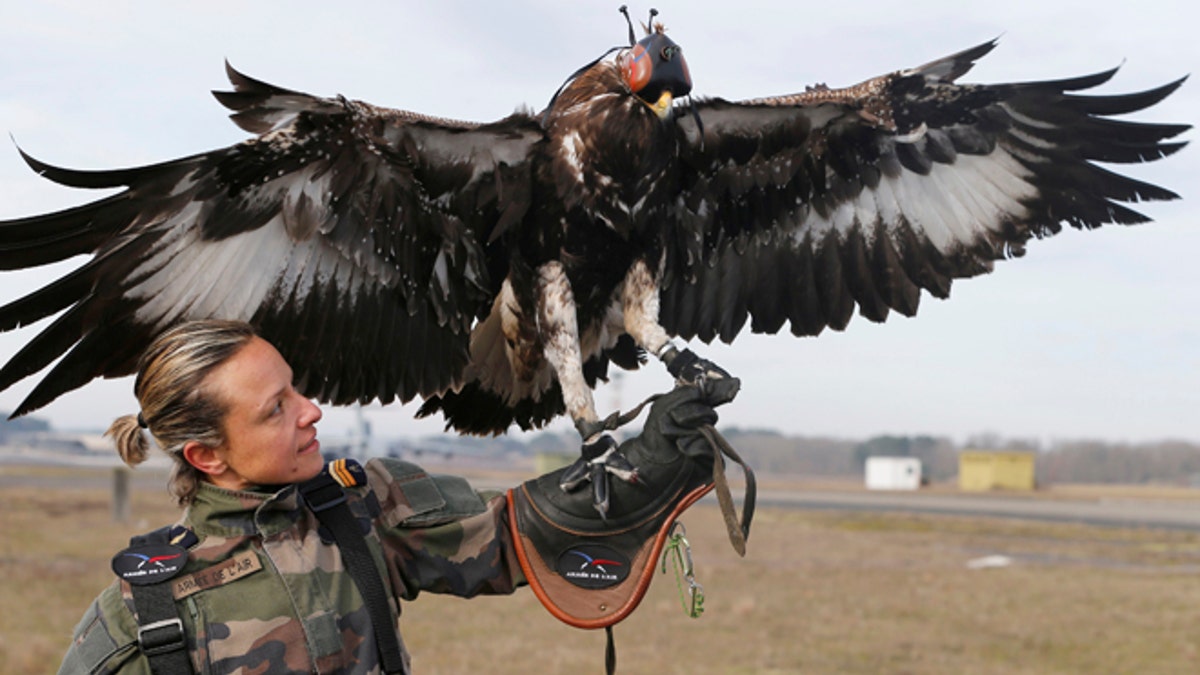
[(263, 593)]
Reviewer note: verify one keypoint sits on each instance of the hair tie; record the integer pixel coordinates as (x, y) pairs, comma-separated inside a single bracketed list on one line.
[(142, 421)]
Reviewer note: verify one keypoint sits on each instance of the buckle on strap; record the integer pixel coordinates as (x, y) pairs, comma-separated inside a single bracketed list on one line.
[(318, 505), (322, 492), (162, 637)]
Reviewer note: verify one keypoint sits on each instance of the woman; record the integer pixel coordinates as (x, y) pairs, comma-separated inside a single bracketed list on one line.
[(257, 576)]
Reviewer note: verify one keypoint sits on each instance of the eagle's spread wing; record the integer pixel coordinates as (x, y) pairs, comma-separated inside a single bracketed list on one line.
[(799, 208), (355, 237)]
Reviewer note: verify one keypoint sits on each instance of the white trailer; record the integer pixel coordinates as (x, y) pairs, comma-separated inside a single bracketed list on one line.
[(893, 473)]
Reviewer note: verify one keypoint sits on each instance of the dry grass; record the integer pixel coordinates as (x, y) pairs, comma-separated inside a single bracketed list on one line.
[(819, 592), (56, 540)]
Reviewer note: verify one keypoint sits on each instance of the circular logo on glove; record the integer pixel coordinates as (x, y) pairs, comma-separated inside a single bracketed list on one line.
[(593, 566)]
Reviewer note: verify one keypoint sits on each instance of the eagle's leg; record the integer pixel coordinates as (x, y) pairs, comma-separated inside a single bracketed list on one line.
[(560, 336), (640, 303)]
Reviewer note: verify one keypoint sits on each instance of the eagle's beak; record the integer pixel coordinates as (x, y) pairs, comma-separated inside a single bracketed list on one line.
[(662, 107)]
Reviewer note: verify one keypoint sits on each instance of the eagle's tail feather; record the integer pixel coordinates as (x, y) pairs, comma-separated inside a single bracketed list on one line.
[(474, 410)]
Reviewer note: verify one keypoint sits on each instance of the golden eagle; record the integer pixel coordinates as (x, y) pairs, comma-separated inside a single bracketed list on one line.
[(496, 270)]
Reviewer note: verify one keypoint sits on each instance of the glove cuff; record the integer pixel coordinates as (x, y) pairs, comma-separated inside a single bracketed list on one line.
[(591, 579)]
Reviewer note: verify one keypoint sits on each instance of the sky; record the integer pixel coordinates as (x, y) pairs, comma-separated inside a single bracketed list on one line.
[(1092, 335)]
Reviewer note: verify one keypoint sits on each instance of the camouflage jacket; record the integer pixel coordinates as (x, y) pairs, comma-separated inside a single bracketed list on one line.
[(263, 593)]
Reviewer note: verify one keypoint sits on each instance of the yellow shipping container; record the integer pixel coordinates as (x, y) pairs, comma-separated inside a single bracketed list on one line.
[(980, 470)]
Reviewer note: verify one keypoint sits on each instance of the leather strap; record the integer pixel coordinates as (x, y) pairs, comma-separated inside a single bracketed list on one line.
[(739, 529)]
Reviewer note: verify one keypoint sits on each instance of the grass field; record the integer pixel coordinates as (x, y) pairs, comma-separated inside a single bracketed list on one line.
[(819, 592)]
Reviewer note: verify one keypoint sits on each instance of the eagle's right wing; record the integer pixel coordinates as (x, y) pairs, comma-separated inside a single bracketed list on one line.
[(355, 238)]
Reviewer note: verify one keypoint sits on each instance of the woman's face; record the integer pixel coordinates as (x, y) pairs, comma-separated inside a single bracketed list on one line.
[(270, 429)]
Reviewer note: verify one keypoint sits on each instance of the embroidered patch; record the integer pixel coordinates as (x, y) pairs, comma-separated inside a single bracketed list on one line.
[(241, 565), (347, 472), (593, 566), (182, 537), (149, 564)]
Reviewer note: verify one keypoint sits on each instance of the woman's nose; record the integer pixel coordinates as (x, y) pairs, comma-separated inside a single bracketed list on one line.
[(312, 413)]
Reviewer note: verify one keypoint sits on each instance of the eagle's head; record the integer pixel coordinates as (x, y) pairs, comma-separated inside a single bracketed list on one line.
[(654, 69)]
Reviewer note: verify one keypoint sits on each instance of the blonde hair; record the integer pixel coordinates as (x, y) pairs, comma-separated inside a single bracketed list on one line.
[(176, 406)]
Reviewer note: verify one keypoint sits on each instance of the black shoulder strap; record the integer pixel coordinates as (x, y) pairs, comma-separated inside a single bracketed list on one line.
[(150, 561), (327, 499)]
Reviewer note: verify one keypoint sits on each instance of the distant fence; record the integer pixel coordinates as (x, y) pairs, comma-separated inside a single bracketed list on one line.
[(120, 500)]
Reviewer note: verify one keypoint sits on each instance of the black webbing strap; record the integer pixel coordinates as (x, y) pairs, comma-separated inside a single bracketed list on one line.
[(327, 500), (160, 632)]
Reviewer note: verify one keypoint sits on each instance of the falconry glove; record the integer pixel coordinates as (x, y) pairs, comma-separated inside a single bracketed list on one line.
[(592, 571)]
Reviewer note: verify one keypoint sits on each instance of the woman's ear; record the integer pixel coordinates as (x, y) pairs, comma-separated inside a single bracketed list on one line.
[(206, 460)]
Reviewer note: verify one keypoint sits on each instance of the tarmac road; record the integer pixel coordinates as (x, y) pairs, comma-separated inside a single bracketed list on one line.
[(1173, 514), (1180, 514)]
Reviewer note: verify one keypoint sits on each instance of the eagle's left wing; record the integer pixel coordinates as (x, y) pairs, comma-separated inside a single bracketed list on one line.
[(799, 208)]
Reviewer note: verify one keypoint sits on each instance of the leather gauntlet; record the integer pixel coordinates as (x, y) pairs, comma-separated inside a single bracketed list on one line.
[(592, 572)]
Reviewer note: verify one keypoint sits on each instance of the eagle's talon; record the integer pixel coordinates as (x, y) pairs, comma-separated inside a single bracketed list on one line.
[(691, 369), (575, 475), (595, 450), (600, 459), (591, 432), (620, 466), (600, 490), (580, 471)]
